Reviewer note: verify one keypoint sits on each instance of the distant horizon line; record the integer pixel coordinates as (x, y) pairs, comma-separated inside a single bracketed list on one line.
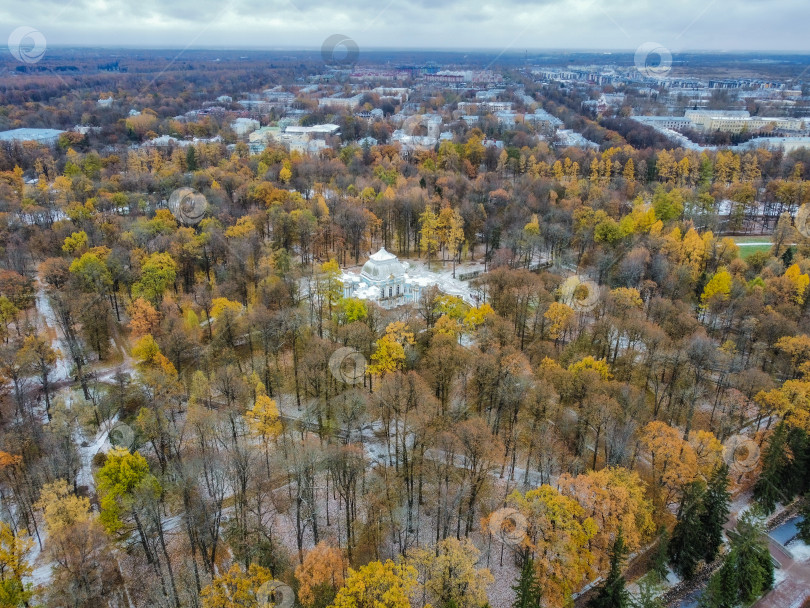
[(400, 49)]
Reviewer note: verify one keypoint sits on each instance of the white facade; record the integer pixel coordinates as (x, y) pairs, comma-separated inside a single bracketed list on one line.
[(383, 279), (737, 121), (350, 103)]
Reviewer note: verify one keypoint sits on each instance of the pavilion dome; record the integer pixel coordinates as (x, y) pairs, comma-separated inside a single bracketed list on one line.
[(382, 265)]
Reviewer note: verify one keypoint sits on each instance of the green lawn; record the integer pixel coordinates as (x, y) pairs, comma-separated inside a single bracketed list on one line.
[(752, 249)]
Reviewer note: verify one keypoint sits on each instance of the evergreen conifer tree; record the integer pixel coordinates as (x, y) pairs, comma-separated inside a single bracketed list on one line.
[(715, 512), (687, 545), (612, 593), (527, 590), (747, 572)]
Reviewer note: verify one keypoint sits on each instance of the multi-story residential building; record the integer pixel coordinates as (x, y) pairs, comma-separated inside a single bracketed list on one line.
[(349, 103), (737, 121)]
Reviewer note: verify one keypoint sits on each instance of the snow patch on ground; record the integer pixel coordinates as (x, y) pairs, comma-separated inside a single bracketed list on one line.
[(800, 550), (779, 576)]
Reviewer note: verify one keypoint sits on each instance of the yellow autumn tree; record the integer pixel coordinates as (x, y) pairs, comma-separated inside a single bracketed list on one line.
[(600, 366), (14, 567), (377, 585), (791, 402), (800, 282), (718, 289), (476, 316), (220, 305), (449, 575), (624, 299), (76, 243), (389, 356), (559, 317), (264, 420), (447, 326), (428, 233), (615, 498), (61, 508), (390, 353), (673, 461), (708, 451), (147, 352), (236, 587), (450, 229), (796, 347), (559, 533)]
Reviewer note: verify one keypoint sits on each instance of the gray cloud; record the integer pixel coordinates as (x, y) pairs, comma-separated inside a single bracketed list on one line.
[(494, 24)]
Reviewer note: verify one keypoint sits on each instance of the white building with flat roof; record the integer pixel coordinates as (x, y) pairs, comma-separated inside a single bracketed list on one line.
[(313, 130), (349, 103), (737, 121)]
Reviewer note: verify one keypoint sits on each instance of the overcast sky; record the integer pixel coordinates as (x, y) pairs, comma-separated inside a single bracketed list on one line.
[(512, 25)]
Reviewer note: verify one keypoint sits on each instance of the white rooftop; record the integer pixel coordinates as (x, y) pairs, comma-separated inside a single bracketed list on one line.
[(382, 255), (382, 265)]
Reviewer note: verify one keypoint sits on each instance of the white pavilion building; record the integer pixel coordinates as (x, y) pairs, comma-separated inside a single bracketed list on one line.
[(383, 279)]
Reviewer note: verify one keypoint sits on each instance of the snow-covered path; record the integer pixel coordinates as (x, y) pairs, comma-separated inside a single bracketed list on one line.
[(49, 327)]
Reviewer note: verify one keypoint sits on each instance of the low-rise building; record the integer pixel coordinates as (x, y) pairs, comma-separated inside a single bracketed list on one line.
[(544, 120), (348, 103), (676, 123), (470, 107), (313, 130)]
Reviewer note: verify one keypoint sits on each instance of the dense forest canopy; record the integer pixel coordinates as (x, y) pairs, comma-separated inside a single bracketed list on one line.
[(174, 432)]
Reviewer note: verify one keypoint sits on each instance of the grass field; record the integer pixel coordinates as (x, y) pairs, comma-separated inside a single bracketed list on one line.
[(752, 244), (752, 249)]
